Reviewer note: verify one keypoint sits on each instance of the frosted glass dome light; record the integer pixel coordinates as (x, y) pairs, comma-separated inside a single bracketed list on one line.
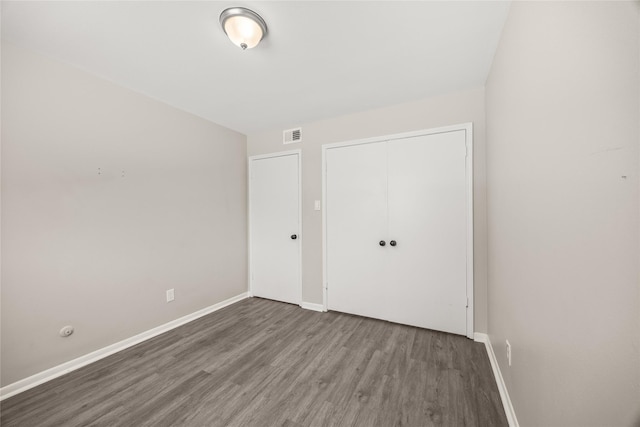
[(244, 27)]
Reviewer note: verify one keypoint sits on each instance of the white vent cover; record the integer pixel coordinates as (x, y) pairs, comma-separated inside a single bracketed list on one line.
[(292, 135)]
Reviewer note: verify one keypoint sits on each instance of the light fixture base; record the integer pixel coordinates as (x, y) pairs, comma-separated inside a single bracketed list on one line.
[(244, 27)]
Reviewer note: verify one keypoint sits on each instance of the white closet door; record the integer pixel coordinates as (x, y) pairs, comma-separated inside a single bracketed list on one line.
[(356, 209), (412, 194), (427, 220), (274, 221)]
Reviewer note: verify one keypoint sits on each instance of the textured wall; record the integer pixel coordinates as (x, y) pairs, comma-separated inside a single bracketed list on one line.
[(98, 250), (562, 160)]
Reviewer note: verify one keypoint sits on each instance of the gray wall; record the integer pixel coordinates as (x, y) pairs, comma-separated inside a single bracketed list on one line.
[(563, 133), (467, 106), (99, 251)]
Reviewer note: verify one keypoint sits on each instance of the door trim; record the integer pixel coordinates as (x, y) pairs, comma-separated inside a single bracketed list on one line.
[(250, 161), (468, 128)]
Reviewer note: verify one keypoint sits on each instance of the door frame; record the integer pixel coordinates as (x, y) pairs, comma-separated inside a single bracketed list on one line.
[(250, 160), (468, 128)]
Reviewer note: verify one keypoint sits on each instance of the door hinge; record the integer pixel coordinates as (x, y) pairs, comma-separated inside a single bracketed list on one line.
[(467, 303)]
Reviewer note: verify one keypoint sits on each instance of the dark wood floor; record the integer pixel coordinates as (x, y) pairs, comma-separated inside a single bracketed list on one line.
[(265, 363)]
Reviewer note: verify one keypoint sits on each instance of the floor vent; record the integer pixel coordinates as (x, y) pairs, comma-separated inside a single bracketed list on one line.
[(292, 135)]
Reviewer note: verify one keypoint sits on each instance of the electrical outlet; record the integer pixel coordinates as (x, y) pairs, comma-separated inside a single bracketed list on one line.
[(170, 295), (509, 352)]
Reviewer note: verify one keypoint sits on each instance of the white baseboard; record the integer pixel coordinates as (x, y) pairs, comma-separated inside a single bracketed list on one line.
[(502, 388), (480, 337), (312, 306), (72, 365)]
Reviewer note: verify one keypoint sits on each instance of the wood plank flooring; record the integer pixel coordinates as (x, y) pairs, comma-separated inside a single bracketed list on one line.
[(266, 363)]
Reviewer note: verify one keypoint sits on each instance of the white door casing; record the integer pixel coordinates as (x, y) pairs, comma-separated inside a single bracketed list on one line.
[(274, 217), (426, 279)]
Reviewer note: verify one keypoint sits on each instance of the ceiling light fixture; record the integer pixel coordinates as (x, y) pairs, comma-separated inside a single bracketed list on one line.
[(244, 27)]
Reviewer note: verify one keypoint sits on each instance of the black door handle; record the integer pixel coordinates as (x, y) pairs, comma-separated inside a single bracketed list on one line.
[(382, 243), (294, 236), (393, 243)]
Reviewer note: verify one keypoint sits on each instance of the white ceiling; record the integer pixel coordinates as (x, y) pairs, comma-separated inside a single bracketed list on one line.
[(320, 59)]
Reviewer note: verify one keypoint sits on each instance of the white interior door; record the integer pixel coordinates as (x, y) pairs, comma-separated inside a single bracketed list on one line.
[(427, 220), (356, 206), (274, 221)]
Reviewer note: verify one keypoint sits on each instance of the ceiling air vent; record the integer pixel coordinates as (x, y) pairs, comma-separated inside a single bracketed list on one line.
[(292, 135)]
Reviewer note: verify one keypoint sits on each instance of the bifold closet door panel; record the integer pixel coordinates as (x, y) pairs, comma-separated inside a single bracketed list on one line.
[(427, 219), (356, 209)]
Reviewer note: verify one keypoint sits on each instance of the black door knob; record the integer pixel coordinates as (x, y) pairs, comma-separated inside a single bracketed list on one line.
[(393, 243), (294, 236), (382, 243)]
